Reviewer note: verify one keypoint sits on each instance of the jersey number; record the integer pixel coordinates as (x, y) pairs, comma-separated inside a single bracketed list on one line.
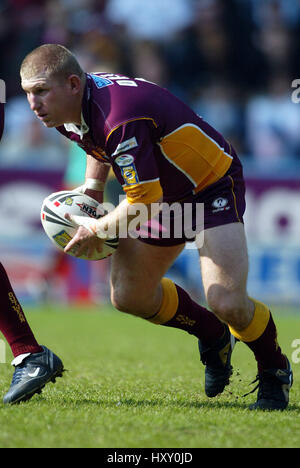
[(119, 79)]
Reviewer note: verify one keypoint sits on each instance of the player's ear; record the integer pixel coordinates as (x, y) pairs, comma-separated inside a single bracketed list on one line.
[(74, 83)]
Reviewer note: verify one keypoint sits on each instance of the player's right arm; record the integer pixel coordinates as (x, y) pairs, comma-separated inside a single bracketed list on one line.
[(95, 177)]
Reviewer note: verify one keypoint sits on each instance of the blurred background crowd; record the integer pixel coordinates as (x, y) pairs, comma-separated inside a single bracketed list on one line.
[(232, 61)]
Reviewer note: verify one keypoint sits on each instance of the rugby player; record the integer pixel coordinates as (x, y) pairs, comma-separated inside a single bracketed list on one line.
[(161, 151), (34, 365)]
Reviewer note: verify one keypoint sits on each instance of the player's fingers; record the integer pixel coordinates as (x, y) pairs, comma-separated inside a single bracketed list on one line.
[(68, 216), (73, 244), (81, 249), (94, 247), (99, 247), (90, 251), (75, 220), (82, 221)]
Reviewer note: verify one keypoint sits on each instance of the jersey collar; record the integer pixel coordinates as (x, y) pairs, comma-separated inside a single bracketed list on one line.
[(82, 130)]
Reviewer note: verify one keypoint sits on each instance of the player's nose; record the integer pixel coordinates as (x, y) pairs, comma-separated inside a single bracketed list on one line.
[(34, 102)]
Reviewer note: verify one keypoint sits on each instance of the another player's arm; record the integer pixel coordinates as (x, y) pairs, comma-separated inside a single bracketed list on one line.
[(1, 119)]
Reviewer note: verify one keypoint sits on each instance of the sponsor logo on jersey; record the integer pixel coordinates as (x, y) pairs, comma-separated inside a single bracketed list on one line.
[(124, 160), (101, 82), (129, 174), (125, 146), (220, 204)]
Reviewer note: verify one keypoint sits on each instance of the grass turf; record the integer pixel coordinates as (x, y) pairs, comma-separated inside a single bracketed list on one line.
[(132, 384)]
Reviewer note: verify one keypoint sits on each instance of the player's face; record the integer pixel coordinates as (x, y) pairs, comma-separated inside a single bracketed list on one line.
[(51, 100)]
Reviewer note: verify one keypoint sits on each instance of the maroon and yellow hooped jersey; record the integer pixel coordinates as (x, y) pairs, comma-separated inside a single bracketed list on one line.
[(156, 144)]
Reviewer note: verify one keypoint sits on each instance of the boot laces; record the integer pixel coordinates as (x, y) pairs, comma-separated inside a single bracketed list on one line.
[(267, 386)]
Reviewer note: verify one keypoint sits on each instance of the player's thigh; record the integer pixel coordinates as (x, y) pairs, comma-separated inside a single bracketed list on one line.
[(224, 266), (136, 272)]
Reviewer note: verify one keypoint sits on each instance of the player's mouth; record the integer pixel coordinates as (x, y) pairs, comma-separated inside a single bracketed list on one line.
[(41, 116)]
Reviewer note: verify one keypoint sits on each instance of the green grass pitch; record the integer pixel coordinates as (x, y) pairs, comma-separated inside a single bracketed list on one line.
[(133, 384)]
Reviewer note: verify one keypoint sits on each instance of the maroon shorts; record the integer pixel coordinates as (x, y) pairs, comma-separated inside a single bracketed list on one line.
[(221, 203)]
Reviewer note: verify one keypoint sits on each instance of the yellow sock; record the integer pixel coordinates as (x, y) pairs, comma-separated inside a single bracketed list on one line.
[(257, 326), (169, 304)]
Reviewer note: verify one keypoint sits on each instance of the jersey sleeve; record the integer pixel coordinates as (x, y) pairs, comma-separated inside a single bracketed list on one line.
[(1, 119), (131, 147)]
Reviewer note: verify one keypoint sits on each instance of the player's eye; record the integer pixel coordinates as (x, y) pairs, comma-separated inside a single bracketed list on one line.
[(39, 91)]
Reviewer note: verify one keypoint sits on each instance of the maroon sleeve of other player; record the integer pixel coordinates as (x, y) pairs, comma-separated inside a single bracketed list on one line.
[(1, 119)]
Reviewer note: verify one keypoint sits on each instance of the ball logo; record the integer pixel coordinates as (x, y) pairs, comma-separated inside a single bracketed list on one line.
[(89, 210), (69, 201), (60, 230), (62, 238)]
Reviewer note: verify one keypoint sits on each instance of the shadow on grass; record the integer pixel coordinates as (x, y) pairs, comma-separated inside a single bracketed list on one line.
[(82, 401), (130, 402)]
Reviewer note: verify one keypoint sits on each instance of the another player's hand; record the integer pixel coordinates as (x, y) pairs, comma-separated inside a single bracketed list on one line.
[(85, 241)]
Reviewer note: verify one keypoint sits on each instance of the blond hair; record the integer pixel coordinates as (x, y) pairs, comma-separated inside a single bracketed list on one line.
[(55, 60)]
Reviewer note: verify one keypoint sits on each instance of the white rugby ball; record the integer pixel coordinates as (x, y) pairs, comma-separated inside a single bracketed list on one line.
[(60, 231)]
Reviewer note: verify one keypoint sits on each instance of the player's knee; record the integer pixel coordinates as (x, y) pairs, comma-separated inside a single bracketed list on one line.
[(231, 309), (132, 301), (126, 300), (121, 300)]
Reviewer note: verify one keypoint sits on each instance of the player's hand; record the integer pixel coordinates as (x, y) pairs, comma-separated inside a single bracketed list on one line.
[(85, 241)]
